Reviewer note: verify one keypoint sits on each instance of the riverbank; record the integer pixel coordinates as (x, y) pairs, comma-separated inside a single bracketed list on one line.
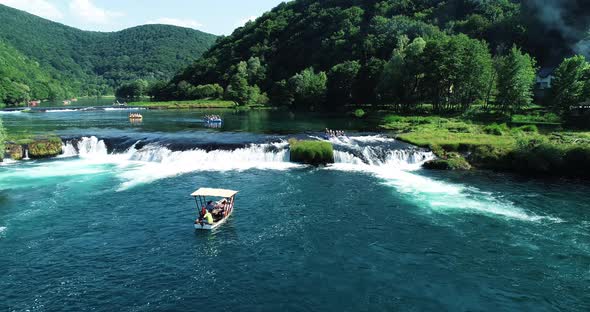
[(196, 104), (463, 144)]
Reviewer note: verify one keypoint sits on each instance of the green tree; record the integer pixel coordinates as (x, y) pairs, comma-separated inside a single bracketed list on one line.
[(240, 91), (402, 75), (256, 71), (308, 88), (133, 90), (158, 90), (475, 72), (570, 83), (456, 70), (341, 79), (516, 77)]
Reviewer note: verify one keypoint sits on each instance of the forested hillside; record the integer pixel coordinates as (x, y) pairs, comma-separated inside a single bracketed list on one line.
[(22, 79), (99, 62), (360, 51)]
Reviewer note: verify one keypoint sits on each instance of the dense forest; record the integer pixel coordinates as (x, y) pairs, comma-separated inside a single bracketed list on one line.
[(22, 79), (90, 63), (324, 54)]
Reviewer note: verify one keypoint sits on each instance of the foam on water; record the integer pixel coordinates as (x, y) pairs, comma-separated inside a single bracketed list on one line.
[(396, 167), (153, 162), (432, 194), (123, 108), (8, 162), (60, 110)]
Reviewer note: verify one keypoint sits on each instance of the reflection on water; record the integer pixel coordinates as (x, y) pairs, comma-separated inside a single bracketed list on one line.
[(253, 121)]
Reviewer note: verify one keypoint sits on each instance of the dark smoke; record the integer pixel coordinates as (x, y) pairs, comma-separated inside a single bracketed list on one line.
[(570, 18)]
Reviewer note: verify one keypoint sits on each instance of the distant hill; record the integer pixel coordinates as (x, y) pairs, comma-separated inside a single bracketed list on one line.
[(22, 78), (322, 34), (98, 62)]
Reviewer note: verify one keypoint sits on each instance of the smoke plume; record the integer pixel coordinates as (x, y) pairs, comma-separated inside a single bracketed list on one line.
[(571, 18)]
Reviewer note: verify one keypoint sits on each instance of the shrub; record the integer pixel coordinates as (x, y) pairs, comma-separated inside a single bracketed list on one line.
[(311, 152), (453, 162), (359, 113), (544, 158), (45, 148), (577, 161), (496, 129), (528, 128)]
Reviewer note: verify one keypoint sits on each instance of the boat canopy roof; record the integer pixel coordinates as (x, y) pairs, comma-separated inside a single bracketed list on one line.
[(214, 192)]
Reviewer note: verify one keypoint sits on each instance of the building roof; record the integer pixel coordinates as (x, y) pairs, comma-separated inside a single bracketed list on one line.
[(214, 192), (545, 72)]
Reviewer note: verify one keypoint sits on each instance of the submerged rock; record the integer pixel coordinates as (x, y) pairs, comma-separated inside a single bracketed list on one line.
[(452, 162)]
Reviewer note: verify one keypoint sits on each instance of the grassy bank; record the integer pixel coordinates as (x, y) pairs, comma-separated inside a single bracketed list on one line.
[(185, 104), (495, 146)]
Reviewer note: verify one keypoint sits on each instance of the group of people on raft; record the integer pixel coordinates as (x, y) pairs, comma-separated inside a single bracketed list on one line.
[(135, 116), (213, 211), (213, 118), (334, 133)]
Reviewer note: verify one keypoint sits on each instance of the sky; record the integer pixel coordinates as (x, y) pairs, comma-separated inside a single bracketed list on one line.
[(219, 17)]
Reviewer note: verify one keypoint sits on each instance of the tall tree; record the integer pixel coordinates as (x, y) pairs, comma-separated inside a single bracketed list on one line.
[(516, 78), (570, 83), (308, 88), (402, 75), (341, 79), (239, 90)]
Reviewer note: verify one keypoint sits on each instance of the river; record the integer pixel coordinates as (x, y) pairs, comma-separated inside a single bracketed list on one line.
[(108, 225)]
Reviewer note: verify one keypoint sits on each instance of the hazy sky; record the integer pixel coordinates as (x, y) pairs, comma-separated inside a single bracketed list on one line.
[(213, 16)]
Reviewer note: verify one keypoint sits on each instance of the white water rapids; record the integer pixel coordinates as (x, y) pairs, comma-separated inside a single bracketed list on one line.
[(367, 155)]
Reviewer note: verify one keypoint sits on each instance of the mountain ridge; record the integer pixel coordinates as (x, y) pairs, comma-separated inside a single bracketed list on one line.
[(101, 61)]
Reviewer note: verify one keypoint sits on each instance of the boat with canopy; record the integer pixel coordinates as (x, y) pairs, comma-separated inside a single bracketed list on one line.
[(218, 202)]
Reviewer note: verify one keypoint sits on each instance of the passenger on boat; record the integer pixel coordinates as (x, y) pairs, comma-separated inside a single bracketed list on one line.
[(210, 206), (202, 214), (208, 218)]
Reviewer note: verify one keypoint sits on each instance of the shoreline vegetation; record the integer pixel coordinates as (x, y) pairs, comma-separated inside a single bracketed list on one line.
[(190, 104), (462, 144)]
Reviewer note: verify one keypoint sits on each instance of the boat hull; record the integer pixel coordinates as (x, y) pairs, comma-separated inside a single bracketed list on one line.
[(211, 227)]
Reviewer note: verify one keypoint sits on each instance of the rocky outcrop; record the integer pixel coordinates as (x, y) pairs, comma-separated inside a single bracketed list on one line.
[(15, 151), (45, 148), (36, 148)]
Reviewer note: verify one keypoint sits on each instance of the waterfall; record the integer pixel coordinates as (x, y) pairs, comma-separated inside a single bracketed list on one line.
[(26, 154), (355, 151), (92, 147), (68, 150)]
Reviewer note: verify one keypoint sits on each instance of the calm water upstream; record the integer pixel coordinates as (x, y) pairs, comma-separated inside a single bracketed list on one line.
[(108, 226)]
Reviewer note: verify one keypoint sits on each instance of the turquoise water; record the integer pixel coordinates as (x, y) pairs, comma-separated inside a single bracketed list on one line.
[(109, 227)]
